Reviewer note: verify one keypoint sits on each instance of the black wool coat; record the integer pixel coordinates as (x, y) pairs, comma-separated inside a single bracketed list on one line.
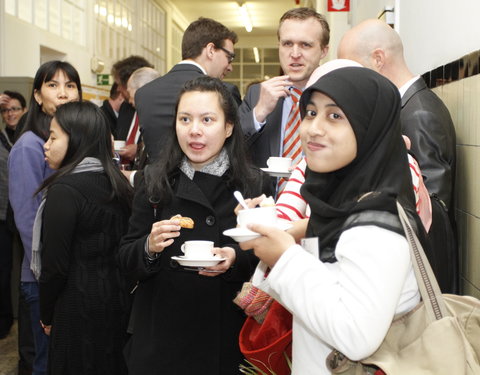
[(183, 323)]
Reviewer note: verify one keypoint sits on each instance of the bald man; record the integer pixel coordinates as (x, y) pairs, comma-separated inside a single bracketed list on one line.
[(427, 122), (424, 117), (139, 78)]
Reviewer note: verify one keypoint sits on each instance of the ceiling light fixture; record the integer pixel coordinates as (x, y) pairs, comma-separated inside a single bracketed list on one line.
[(247, 22), (256, 55)]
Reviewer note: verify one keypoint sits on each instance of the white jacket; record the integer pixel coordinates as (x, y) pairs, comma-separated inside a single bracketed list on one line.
[(347, 305)]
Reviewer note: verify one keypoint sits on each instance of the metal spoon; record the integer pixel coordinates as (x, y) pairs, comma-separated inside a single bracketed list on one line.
[(240, 199)]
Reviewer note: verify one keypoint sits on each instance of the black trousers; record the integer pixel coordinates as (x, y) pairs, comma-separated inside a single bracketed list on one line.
[(6, 313)]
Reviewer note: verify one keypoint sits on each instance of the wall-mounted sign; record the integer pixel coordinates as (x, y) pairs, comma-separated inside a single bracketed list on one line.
[(338, 5), (103, 79)]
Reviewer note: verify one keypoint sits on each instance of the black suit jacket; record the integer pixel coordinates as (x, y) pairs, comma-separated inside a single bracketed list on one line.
[(155, 103), (427, 122), (124, 121), (110, 116), (266, 142)]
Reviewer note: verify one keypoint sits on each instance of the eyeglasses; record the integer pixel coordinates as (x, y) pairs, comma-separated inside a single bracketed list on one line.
[(230, 55), (13, 109)]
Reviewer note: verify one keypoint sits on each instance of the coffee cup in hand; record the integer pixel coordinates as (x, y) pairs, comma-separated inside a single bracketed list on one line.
[(198, 249), (258, 215), (118, 145), (276, 163)]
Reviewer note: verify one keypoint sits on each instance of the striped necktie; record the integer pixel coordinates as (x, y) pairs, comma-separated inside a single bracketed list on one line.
[(292, 147)]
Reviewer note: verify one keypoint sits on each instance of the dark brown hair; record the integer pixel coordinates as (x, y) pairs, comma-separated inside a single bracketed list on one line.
[(159, 174), (123, 69), (201, 32)]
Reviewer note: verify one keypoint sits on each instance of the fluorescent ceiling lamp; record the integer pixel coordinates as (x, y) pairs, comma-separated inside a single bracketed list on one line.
[(247, 22), (256, 55)]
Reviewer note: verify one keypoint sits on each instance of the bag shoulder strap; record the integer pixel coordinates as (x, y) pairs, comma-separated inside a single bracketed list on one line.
[(427, 283), (383, 219)]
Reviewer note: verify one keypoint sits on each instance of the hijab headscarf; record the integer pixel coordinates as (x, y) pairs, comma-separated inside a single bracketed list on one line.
[(379, 174)]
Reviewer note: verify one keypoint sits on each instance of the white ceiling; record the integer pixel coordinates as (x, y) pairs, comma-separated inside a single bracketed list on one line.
[(263, 13)]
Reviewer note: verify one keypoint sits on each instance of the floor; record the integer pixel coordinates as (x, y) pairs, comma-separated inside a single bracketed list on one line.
[(9, 353)]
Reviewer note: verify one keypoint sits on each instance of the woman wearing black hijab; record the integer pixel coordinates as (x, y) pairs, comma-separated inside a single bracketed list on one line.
[(356, 274)]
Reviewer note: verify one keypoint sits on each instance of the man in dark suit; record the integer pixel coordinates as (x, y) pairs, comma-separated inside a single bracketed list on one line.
[(426, 121), (424, 117), (121, 72), (207, 48), (303, 36), (111, 107)]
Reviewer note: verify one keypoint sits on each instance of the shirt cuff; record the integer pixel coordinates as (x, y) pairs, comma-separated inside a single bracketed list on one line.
[(149, 257), (131, 178), (258, 125)]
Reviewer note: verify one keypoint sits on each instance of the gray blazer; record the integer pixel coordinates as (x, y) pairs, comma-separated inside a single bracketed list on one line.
[(426, 121), (266, 142)]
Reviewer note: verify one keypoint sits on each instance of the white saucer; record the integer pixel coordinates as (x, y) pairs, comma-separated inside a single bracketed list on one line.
[(244, 234), (189, 262), (284, 174)]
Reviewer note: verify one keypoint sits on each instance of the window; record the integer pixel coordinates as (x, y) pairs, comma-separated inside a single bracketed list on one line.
[(65, 18), (246, 70), (126, 27)]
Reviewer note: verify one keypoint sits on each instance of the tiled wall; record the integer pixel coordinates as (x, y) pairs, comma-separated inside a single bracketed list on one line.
[(458, 84)]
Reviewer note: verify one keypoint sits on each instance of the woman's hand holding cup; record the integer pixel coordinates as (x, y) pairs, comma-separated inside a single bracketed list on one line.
[(271, 245), (221, 252)]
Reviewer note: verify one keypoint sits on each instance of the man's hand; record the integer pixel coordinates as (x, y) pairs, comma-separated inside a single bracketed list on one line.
[(4, 99), (270, 91), (128, 152), (46, 329)]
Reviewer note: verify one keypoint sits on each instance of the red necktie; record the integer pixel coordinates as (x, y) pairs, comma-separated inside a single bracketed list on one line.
[(133, 133), (292, 147)]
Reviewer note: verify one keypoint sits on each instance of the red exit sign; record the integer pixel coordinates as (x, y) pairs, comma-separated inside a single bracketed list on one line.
[(338, 5)]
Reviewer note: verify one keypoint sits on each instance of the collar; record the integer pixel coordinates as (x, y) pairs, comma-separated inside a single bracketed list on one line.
[(217, 167), (191, 62), (407, 85)]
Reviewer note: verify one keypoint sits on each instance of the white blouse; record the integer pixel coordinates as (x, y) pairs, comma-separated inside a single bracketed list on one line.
[(347, 305)]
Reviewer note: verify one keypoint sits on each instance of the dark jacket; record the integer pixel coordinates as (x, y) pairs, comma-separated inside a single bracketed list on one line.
[(184, 323), (427, 122), (82, 294), (124, 121), (266, 142), (110, 116)]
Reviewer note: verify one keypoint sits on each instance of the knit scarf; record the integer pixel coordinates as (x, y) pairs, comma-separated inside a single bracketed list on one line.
[(88, 164)]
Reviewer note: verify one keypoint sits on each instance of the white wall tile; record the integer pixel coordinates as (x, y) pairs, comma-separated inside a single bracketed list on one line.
[(471, 255)]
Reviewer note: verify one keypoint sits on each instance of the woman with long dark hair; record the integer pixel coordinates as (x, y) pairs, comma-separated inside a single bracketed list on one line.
[(183, 320), (55, 83), (83, 298), (357, 274)]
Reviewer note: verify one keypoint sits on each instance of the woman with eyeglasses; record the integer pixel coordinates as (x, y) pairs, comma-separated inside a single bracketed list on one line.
[(12, 107)]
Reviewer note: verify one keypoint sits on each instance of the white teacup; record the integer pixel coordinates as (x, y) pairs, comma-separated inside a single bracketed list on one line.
[(198, 249), (118, 145), (276, 163), (258, 215)]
